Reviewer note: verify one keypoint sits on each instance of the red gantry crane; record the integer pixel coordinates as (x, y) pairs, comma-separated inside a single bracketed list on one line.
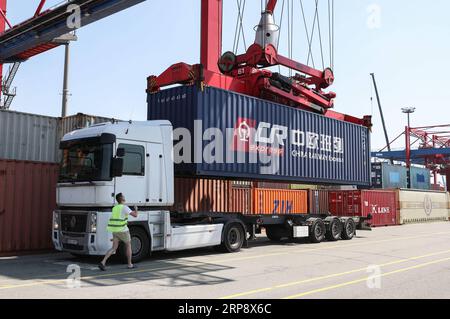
[(428, 146), (246, 73)]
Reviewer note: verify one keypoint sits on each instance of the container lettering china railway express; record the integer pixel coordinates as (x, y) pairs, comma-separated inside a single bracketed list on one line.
[(223, 134)]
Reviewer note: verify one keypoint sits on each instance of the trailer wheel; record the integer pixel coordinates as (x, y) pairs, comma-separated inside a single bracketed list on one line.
[(349, 229), (233, 238), (140, 245), (334, 229), (317, 231)]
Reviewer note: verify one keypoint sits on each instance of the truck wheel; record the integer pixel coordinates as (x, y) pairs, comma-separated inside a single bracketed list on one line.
[(274, 233), (140, 245), (349, 229), (317, 231), (334, 229), (233, 238)]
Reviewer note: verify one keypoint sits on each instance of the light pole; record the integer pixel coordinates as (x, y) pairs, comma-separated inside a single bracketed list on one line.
[(408, 111), (65, 40)]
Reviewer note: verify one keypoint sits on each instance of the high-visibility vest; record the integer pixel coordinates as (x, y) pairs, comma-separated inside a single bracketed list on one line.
[(116, 223)]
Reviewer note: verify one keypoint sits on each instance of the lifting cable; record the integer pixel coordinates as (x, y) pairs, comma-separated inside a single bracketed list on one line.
[(239, 26), (307, 34), (320, 34), (331, 31), (310, 33), (280, 29), (281, 24)]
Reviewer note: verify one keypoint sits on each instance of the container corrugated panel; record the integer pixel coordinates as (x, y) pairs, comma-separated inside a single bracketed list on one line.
[(303, 187), (272, 185), (381, 204), (306, 147), (78, 121), (422, 206), (387, 176), (420, 178), (240, 200), (279, 202), (28, 137), (27, 201), (201, 195), (318, 201)]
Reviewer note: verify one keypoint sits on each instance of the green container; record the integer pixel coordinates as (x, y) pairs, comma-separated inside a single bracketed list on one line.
[(420, 178), (387, 176)]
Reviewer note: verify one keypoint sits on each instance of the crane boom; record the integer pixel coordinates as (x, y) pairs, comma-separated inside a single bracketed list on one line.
[(386, 136), (271, 6)]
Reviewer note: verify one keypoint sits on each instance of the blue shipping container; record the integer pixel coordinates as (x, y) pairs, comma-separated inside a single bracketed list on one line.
[(420, 178), (220, 133), (387, 176)]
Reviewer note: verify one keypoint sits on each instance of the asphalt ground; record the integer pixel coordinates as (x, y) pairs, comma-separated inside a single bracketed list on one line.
[(411, 261)]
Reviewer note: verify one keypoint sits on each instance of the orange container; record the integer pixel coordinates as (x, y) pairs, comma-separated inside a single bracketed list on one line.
[(278, 201)]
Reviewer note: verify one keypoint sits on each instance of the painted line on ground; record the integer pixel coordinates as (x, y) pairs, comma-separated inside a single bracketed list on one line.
[(319, 278), (348, 283), (289, 250)]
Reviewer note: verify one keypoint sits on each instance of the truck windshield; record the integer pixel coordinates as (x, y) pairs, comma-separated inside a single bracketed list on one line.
[(86, 163)]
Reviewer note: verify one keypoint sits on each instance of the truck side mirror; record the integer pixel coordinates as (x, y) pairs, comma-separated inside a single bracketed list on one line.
[(120, 152), (117, 167)]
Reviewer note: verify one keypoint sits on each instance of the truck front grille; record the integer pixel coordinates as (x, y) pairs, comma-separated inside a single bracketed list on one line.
[(74, 223), (73, 247)]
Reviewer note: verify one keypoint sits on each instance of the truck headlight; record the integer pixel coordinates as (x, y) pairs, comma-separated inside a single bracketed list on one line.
[(55, 220), (93, 222)]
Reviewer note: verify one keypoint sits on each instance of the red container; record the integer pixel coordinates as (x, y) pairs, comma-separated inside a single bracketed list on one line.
[(27, 201), (194, 195), (201, 195), (318, 201), (240, 200), (381, 204)]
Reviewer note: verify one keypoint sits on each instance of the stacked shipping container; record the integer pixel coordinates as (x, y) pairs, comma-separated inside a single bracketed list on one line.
[(387, 176), (422, 206), (420, 178), (29, 153), (27, 201), (381, 205), (27, 187), (391, 207)]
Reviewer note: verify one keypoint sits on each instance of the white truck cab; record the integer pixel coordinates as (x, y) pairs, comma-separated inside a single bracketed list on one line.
[(133, 158)]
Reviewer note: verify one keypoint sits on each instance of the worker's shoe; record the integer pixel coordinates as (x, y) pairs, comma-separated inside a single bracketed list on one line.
[(102, 267)]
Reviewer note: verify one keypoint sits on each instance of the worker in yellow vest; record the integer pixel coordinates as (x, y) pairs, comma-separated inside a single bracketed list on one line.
[(118, 226)]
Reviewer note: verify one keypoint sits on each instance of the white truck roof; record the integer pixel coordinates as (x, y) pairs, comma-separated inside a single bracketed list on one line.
[(140, 131)]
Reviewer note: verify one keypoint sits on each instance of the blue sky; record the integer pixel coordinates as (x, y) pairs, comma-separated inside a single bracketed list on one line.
[(409, 53)]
